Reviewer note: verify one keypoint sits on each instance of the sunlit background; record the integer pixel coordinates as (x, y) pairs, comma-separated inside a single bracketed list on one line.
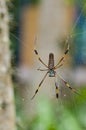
[(46, 25)]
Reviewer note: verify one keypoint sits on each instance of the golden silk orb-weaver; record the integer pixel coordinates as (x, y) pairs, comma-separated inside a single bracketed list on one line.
[(50, 69)]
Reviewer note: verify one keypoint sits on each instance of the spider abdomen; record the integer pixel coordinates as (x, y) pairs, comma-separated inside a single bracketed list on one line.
[(51, 61)]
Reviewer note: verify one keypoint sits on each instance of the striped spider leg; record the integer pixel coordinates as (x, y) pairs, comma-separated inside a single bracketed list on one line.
[(58, 65), (36, 52), (67, 85), (57, 87), (39, 85), (60, 62)]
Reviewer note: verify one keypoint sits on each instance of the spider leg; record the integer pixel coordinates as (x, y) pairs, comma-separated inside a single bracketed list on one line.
[(57, 88), (58, 66), (42, 69), (67, 85), (39, 85), (63, 57), (36, 52)]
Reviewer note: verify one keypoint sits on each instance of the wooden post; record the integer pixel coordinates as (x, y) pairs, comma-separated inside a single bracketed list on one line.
[(7, 109), (29, 29)]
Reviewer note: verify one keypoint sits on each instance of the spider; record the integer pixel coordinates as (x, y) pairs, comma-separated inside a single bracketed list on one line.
[(50, 68)]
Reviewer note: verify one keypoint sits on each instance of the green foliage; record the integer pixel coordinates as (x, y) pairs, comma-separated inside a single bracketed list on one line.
[(81, 3), (69, 2), (55, 115), (35, 2)]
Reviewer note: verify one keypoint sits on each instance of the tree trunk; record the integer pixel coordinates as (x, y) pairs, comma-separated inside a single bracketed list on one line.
[(7, 110)]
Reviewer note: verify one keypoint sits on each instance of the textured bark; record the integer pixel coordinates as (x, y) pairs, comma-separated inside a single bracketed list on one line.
[(7, 110)]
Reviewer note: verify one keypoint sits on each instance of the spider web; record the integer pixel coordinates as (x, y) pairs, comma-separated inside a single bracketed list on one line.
[(67, 97), (65, 92)]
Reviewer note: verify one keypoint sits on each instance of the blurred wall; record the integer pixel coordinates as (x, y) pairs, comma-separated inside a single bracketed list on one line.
[(50, 23)]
